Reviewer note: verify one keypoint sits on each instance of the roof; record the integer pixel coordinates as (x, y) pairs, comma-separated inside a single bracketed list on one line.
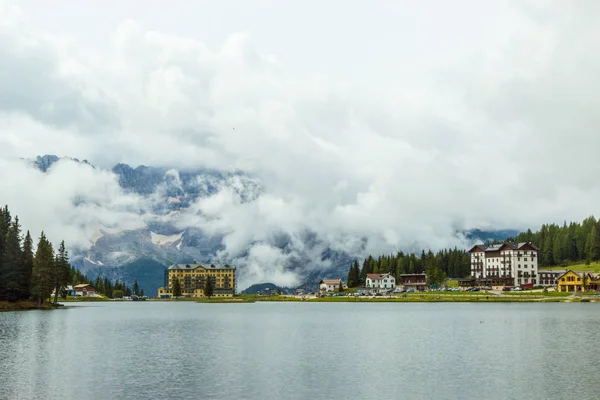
[(553, 271), (566, 272), (423, 274), (499, 246), (331, 281), (377, 276), (205, 266), (82, 285)]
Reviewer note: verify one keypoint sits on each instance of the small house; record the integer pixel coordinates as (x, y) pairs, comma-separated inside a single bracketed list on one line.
[(84, 289), (570, 281), (330, 285), (418, 282)]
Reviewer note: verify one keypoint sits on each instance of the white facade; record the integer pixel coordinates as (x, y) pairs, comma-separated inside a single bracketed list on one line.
[(516, 264), (380, 281)]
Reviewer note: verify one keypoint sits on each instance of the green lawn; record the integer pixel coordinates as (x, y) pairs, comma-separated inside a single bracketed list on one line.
[(451, 283), (539, 294), (82, 299), (593, 267)]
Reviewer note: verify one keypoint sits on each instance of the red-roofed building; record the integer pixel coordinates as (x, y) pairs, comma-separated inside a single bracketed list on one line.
[(380, 281)]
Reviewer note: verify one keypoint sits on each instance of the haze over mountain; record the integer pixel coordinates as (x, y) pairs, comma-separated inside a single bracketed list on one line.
[(286, 154)]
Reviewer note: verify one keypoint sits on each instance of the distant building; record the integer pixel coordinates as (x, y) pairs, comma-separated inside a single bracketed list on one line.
[(330, 285), (592, 282), (192, 279), (505, 264), (380, 281), (84, 289), (418, 282), (570, 281), (549, 277)]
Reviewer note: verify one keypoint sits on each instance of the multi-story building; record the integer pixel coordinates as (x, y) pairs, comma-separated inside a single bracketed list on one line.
[(505, 264), (192, 280), (380, 281), (549, 277), (417, 282)]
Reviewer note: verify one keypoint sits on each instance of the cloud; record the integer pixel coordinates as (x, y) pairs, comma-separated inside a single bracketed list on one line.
[(71, 202), (495, 130)]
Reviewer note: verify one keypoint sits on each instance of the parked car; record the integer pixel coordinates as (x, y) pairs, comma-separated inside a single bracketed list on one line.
[(518, 289), (411, 290), (487, 288), (506, 289)]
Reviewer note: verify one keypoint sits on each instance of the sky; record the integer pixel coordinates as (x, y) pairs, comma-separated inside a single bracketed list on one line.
[(396, 121)]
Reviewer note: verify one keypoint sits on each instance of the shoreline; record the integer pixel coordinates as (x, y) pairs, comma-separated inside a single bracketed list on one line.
[(416, 298), (6, 306)]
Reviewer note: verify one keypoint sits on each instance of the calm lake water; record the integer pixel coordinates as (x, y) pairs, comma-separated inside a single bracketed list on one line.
[(155, 350)]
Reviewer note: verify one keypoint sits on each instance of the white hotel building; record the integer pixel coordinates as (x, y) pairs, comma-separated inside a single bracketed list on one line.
[(505, 264)]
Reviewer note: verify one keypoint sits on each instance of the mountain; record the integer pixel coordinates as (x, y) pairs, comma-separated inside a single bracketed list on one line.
[(142, 254), (43, 163), (477, 235)]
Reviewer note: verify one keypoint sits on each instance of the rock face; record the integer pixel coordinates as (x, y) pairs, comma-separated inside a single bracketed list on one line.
[(143, 254)]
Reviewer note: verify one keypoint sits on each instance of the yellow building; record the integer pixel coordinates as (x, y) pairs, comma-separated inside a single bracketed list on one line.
[(570, 281), (192, 279), (592, 282)]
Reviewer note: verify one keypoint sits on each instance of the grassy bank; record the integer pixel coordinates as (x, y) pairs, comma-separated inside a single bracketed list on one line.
[(538, 294), (23, 306), (83, 299), (593, 267)]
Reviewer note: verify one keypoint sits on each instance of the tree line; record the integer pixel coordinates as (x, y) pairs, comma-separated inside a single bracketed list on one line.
[(29, 275), (559, 245), (438, 266), (566, 244)]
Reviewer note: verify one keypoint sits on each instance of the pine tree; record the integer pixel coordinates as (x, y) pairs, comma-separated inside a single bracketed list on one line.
[(11, 286), (208, 288), (61, 270), (356, 273), (43, 271), (340, 287), (547, 251), (591, 245), (351, 276), (27, 265), (136, 288), (177, 287)]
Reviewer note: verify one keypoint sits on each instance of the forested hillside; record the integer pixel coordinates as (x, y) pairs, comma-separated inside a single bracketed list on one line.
[(438, 266), (562, 245), (559, 245)]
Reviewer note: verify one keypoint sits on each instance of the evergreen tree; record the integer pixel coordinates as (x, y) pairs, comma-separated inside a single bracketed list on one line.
[(350, 279), (27, 265), (340, 287), (136, 288), (12, 287), (142, 292), (356, 273), (593, 248), (43, 271), (208, 288), (177, 287), (61, 270)]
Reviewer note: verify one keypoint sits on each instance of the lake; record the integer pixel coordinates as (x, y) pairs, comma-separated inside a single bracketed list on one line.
[(185, 350)]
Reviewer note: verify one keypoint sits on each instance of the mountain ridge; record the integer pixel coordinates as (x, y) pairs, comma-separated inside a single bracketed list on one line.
[(142, 254)]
